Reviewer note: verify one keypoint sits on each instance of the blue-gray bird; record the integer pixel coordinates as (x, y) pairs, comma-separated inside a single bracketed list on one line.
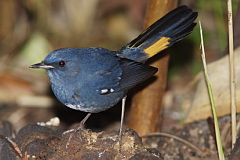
[(95, 79)]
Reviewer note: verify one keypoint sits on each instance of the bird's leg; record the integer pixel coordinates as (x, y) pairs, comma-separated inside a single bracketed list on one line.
[(119, 136), (121, 125), (80, 126)]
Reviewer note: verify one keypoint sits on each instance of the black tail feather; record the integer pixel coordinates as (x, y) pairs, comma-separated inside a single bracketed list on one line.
[(171, 28)]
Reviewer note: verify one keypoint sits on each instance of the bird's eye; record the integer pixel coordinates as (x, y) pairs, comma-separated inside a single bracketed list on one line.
[(61, 63)]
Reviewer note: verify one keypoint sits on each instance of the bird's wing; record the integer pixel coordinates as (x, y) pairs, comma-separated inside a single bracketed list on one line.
[(123, 77)]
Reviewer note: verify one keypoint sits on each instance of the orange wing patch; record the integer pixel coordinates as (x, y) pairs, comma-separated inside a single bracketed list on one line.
[(158, 46)]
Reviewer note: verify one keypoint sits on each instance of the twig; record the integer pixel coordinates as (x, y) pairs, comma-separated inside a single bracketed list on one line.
[(13, 147), (232, 73), (176, 138)]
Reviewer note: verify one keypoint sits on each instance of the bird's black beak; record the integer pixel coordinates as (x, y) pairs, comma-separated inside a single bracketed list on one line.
[(41, 65)]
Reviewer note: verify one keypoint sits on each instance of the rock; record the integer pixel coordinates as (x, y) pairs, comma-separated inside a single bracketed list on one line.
[(47, 142)]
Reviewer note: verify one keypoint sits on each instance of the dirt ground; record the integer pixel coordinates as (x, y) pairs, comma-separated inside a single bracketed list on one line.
[(178, 141)]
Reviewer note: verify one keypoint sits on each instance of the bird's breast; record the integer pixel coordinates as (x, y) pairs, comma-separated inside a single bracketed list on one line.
[(85, 98)]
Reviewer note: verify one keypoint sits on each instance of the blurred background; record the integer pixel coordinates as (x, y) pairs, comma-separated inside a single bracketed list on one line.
[(31, 29)]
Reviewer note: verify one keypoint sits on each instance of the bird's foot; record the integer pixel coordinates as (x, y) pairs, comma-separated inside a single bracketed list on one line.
[(117, 140), (79, 127), (68, 131), (73, 132)]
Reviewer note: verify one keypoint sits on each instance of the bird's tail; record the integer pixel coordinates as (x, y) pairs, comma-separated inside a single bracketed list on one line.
[(171, 28)]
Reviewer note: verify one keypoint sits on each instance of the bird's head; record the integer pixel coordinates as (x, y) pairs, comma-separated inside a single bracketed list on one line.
[(61, 63)]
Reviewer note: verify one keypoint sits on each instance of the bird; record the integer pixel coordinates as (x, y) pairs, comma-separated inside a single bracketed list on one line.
[(95, 79)]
